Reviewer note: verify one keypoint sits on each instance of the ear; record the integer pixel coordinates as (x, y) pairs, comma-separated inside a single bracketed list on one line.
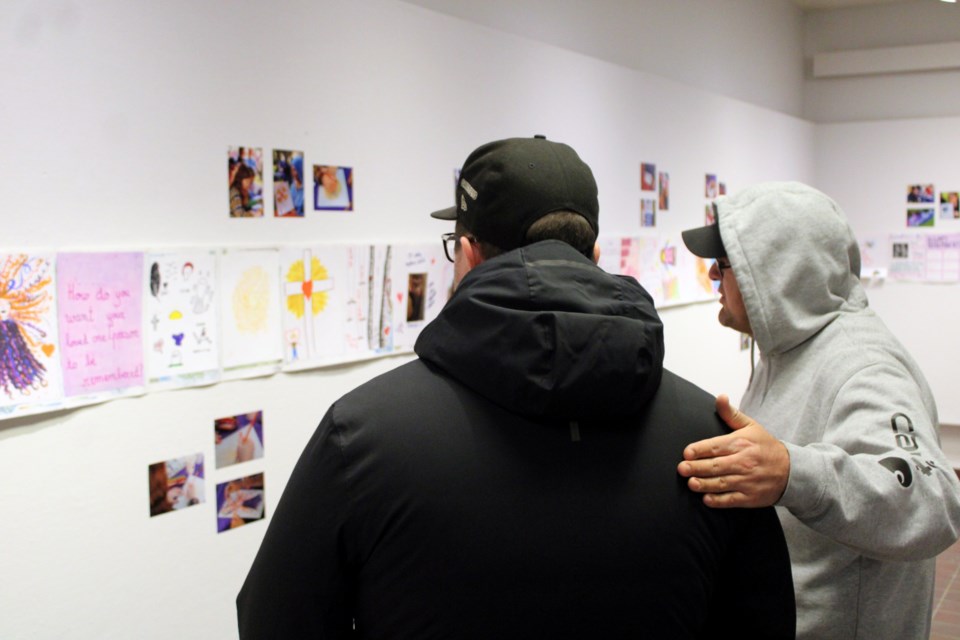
[(596, 253), (471, 252)]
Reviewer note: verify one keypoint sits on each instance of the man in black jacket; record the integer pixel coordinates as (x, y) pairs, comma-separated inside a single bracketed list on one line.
[(519, 479)]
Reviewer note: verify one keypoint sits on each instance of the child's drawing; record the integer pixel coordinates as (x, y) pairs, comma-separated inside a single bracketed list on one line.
[(29, 363), (250, 312), (180, 298), (313, 305)]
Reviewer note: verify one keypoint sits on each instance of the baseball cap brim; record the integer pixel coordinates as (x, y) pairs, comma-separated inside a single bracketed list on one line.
[(705, 241), (450, 213)]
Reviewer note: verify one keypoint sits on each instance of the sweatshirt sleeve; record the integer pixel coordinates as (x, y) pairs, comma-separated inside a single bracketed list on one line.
[(877, 481), (298, 586)]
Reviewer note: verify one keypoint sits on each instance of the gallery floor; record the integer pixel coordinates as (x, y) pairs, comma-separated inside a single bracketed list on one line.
[(946, 597)]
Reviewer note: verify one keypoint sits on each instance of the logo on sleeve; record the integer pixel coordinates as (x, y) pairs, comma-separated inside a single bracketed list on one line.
[(903, 435), (900, 468)]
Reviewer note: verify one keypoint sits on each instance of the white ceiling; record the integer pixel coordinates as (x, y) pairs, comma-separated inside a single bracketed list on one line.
[(840, 4)]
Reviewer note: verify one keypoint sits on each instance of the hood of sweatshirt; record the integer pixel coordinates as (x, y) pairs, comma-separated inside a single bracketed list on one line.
[(545, 333), (795, 258)]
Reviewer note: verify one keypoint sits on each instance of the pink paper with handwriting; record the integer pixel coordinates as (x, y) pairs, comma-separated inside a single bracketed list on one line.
[(101, 336)]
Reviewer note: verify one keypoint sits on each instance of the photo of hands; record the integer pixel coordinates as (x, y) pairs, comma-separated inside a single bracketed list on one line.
[(238, 438)]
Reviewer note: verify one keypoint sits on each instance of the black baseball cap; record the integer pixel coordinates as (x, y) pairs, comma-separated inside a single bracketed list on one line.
[(507, 185), (705, 241)]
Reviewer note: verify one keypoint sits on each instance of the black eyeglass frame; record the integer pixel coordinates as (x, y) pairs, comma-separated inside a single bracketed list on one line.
[(446, 238), (722, 267)]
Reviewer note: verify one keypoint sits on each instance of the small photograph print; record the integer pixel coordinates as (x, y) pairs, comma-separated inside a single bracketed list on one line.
[(332, 188), (416, 293), (920, 193), (287, 183), (664, 182), (240, 502), (950, 205), (901, 250), (709, 215), (648, 176), (176, 484), (245, 181), (238, 438), (710, 186), (722, 188), (648, 213), (921, 217)]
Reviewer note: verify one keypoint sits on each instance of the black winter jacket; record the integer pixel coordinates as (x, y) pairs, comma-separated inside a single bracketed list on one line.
[(518, 481)]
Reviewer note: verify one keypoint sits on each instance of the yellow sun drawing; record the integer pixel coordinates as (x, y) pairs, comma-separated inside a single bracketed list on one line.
[(251, 300), (297, 302)]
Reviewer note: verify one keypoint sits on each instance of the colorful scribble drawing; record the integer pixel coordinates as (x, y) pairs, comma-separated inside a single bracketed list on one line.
[(24, 301), (251, 300), (307, 296)]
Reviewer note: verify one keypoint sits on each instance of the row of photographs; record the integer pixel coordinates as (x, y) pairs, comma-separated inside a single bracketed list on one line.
[(80, 328), (332, 185), (923, 206)]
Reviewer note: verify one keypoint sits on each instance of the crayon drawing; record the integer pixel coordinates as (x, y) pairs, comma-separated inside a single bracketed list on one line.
[(29, 353), (181, 327), (250, 312), (313, 302)]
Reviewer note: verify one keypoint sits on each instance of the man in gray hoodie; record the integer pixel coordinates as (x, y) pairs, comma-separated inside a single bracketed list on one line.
[(848, 449)]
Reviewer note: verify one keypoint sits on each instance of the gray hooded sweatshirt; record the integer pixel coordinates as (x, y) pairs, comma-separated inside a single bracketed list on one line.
[(871, 498)]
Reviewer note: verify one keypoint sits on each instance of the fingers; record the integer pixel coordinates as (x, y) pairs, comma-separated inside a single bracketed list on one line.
[(727, 500), (730, 414), (713, 447)]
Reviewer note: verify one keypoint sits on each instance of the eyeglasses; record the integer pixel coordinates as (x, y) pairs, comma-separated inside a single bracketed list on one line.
[(450, 242), (721, 266)]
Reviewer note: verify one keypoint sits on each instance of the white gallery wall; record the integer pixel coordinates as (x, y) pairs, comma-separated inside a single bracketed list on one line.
[(115, 119), (866, 167)]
